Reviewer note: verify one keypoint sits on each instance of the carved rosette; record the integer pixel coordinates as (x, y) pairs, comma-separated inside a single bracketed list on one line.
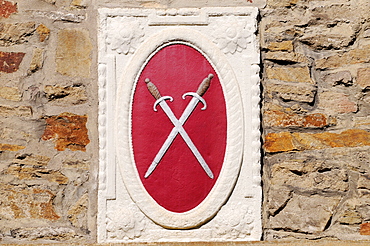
[(123, 224), (231, 34), (125, 37), (236, 224)]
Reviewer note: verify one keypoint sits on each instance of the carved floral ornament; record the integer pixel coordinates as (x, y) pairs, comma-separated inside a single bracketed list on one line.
[(232, 34)]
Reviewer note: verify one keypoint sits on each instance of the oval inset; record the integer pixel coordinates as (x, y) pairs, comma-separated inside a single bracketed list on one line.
[(178, 183)]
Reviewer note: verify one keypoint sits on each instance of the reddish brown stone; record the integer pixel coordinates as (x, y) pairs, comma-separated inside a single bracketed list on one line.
[(276, 118), (365, 229), (278, 142), (10, 61), (7, 8), (68, 130)]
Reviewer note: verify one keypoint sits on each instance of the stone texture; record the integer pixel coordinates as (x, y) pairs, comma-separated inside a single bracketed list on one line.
[(355, 56), (7, 8), (363, 78), (286, 141), (10, 61), (16, 33), (37, 60), (280, 46), (276, 118), (43, 32), (339, 78), (336, 102), (299, 92), (77, 214), (10, 93), (73, 53), (60, 16), (11, 147), (79, 3), (45, 233), (289, 74), (21, 111), (286, 57), (309, 221), (66, 95), (365, 229), (68, 131)]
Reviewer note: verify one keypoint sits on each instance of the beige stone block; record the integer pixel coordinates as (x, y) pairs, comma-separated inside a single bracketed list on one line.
[(280, 46), (37, 60), (77, 213), (290, 74), (66, 95), (43, 32), (363, 77), (31, 160), (11, 147), (355, 56), (15, 33), (22, 111), (10, 93), (336, 103), (286, 57), (73, 52), (300, 92)]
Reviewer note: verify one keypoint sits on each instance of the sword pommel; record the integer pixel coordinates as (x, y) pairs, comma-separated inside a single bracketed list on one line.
[(152, 89), (203, 87)]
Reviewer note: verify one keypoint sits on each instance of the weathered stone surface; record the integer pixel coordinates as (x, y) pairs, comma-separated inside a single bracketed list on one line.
[(22, 111), (37, 60), (45, 233), (339, 78), (10, 61), (10, 93), (335, 102), (17, 33), (283, 3), (355, 56), (11, 147), (7, 8), (43, 32), (286, 141), (365, 229), (350, 217), (281, 56), (27, 202), (289, 74), (309, 176), (68, 131), (66, 95), (278, 196), (73, 53), (31, 160), (276, 118), (79, 3), (363, 77), (280, 46), (309, 220), (60, 16), (364, 182), (299, 92), (77, 214), (361, 122)]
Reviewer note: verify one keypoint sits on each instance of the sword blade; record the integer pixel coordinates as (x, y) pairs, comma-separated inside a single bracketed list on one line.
[(179, 129)]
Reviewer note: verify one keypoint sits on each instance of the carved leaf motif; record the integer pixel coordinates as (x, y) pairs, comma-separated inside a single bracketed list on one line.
[(231, 34)]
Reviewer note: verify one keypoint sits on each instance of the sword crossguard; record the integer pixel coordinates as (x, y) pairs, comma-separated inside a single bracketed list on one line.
[(196, 95), (160, 100)]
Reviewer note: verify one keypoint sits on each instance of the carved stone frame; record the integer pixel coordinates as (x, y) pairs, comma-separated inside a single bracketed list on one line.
[(238, 71)]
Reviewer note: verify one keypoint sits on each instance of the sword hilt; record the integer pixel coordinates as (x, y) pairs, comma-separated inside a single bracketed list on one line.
[(152, 89), (203, 87)]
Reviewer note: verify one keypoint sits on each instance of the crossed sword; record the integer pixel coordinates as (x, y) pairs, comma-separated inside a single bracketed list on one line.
[(178, 128)]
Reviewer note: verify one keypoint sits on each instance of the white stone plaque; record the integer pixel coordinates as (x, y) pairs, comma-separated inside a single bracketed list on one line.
[(179, 125)]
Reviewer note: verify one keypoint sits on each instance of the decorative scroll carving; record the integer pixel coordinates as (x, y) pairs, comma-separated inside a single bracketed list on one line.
[(232, 34)]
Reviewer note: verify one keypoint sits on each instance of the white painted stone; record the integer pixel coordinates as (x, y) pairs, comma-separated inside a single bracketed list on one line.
[(226, 37)]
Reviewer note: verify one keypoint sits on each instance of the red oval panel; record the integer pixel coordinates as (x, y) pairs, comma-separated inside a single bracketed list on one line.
[(178, 183)]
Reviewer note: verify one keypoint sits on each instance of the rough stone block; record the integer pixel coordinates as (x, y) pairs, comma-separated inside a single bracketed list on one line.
[(66, 95), (10, 93), (37, 60), (21, 111), (285, 57), (365, 229), (15, 33), (289, 74), (10, 61), (285, 141), (7, 8), (355, 56), (77, 214), (336, 102), (309, 220), (280, 46), (363, 77), (11, 147), (45, 233), (276, 118), (300, 92), (68, 131), (73, 53), (339, 78), (43, 32)]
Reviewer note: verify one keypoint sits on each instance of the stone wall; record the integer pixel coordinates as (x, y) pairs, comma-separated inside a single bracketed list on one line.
[(316, 78), (316, 81)]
